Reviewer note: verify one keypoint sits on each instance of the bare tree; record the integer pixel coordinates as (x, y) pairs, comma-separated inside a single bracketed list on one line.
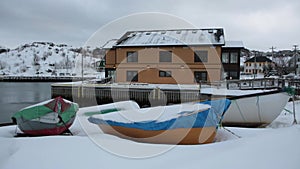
[(2, 65), (282, 64)]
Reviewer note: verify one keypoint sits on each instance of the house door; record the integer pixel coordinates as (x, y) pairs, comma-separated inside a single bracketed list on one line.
[(110, 73)]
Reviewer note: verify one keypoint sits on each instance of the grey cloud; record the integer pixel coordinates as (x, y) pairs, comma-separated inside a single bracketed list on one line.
[(74, 21)]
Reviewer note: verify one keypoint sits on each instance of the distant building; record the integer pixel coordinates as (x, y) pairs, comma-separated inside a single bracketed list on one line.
[(230, 58), (180, 56), (257, 64)]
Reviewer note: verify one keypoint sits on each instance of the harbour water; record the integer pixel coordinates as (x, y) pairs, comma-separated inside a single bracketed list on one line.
[(17, 95)]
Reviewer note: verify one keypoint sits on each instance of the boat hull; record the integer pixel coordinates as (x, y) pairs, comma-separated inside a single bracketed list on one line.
[(175, 124), (51, 117), (255, 110), (40, 128), (179, 136)]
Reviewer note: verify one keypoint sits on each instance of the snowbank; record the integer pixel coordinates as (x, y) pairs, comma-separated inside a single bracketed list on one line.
[(274, 147)]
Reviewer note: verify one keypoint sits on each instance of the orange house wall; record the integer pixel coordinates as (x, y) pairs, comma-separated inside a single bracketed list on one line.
[(182, 66)]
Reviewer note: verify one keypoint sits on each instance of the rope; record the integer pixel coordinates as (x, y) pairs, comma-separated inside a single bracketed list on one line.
[(65, 125), (60, 118), (288, 111), (229, 131)]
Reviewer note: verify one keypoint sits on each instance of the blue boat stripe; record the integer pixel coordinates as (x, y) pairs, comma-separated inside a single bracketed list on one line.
[(207, 118)]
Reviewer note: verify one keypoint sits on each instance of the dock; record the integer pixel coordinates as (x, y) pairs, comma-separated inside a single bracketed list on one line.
[(89, 94), (144, 94)]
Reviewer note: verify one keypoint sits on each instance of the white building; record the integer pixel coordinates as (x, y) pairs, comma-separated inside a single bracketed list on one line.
[(256, 65)]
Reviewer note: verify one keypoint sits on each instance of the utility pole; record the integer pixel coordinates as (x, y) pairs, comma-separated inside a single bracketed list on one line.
[(67, 64), (295, 47), (274, 61), (272, 48), (295, 58), (82, 54), (255, 72)]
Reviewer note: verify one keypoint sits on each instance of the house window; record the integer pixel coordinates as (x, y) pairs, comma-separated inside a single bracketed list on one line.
[(165, 56), (234, 57), (255, 71), (200, 56), (132, 56), (225, 57), (165, 73), (200, 76), (132, 76), (111, 73)]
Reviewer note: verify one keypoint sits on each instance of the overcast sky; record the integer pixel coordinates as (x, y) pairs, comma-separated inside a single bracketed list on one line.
[(260, 24)]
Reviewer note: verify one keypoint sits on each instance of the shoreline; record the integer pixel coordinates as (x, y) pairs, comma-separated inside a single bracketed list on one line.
[(41, 79), (6, 124)]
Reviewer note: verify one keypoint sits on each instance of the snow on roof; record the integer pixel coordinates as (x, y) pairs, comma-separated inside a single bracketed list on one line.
[(233, 44), (109, 44), (175, 37)]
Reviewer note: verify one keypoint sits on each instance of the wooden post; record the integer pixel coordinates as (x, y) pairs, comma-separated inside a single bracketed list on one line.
[(294, 111)]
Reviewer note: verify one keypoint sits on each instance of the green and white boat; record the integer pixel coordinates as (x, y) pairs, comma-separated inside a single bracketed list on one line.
[(52, 117)]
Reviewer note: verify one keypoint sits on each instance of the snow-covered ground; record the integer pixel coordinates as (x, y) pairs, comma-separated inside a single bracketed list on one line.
[(273, 147)]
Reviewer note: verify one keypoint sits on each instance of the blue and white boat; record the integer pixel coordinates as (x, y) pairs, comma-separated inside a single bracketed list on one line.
[(189, 123)]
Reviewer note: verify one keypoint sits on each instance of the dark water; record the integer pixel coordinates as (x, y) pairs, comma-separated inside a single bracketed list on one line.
[(17, 95)]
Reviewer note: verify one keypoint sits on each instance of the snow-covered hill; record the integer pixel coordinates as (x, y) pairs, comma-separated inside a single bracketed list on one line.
[(48, 59)]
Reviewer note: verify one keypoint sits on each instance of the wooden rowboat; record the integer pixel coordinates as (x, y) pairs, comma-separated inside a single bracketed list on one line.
[(52, 117), (176, 124)]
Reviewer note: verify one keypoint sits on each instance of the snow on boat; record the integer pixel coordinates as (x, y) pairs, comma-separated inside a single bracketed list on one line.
[(109, 108), (176, 124), (52, 117), (255, 109), (85, 112)]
